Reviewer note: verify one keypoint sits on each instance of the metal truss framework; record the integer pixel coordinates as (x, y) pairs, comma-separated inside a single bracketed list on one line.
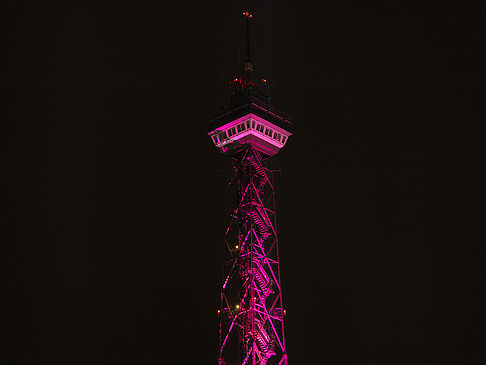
[(251, 316)]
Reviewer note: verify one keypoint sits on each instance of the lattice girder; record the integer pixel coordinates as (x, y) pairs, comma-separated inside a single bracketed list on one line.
[(251, 301)]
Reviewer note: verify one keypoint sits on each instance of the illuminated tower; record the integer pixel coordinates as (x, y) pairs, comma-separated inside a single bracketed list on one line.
[(251, 315)]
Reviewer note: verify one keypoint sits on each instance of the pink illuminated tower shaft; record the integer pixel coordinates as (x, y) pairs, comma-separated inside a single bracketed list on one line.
[(251, 296), (251, 315)]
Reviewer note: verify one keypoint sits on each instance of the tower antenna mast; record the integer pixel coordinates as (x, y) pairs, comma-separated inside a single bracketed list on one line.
[(248, 63), (251, 313)]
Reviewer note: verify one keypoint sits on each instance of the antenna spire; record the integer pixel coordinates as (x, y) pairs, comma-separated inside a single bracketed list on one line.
[(247, 85), (248, 63)]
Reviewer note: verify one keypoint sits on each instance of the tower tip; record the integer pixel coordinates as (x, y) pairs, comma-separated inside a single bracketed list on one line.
[(248, 63)]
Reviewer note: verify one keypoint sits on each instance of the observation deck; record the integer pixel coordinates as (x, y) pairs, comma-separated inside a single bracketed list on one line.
[(250, 119)]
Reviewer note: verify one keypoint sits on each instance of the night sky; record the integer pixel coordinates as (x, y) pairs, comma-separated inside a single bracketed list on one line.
[(118, 200)]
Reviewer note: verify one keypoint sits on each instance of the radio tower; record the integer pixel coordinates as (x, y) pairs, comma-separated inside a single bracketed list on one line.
[(251, 314)]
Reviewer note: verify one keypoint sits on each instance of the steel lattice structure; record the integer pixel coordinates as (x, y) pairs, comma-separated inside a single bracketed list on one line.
[(251, 315), (251, 295)]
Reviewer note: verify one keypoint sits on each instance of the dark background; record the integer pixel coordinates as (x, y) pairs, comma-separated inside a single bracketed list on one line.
[(118, 200)]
